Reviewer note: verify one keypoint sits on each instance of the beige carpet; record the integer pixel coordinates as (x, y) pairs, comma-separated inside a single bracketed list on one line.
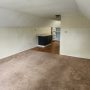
[(32, 70)]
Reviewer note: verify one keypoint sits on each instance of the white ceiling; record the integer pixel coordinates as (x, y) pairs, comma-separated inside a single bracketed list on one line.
[(43, 8), (84, 6)]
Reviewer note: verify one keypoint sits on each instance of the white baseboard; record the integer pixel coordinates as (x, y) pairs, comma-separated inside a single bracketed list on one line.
[(43, 45)]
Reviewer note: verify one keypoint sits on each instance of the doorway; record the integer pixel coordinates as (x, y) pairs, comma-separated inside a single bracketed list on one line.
[(54, 46), (55, 32)]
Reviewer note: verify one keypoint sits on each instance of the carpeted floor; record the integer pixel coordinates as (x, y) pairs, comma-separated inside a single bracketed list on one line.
[(33, 70)]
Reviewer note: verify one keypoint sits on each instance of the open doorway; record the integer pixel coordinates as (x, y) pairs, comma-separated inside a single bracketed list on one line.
[(49, 43), (55, 32)]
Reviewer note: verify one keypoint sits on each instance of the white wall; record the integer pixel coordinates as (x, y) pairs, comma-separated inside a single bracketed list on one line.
[(44, 30), (47, 29), (75, 35), (18, 31), (14, 40)]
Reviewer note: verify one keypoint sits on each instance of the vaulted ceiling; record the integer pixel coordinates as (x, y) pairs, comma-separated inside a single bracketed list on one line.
[(47, 8), (84, 7)]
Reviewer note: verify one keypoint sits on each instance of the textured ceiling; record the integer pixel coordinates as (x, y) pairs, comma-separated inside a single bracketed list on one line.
[(46, 8)]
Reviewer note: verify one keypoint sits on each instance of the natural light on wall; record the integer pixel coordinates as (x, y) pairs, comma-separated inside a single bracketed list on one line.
[(56, 23)]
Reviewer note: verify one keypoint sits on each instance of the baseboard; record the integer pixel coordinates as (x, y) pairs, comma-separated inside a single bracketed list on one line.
[(43, 46)]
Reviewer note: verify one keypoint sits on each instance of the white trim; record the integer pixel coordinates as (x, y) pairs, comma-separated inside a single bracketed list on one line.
[(43, 45)]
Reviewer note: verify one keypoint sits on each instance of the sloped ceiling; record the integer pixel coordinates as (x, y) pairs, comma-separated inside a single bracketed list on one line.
[(84, 6), (43, 8), (47, 8)]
